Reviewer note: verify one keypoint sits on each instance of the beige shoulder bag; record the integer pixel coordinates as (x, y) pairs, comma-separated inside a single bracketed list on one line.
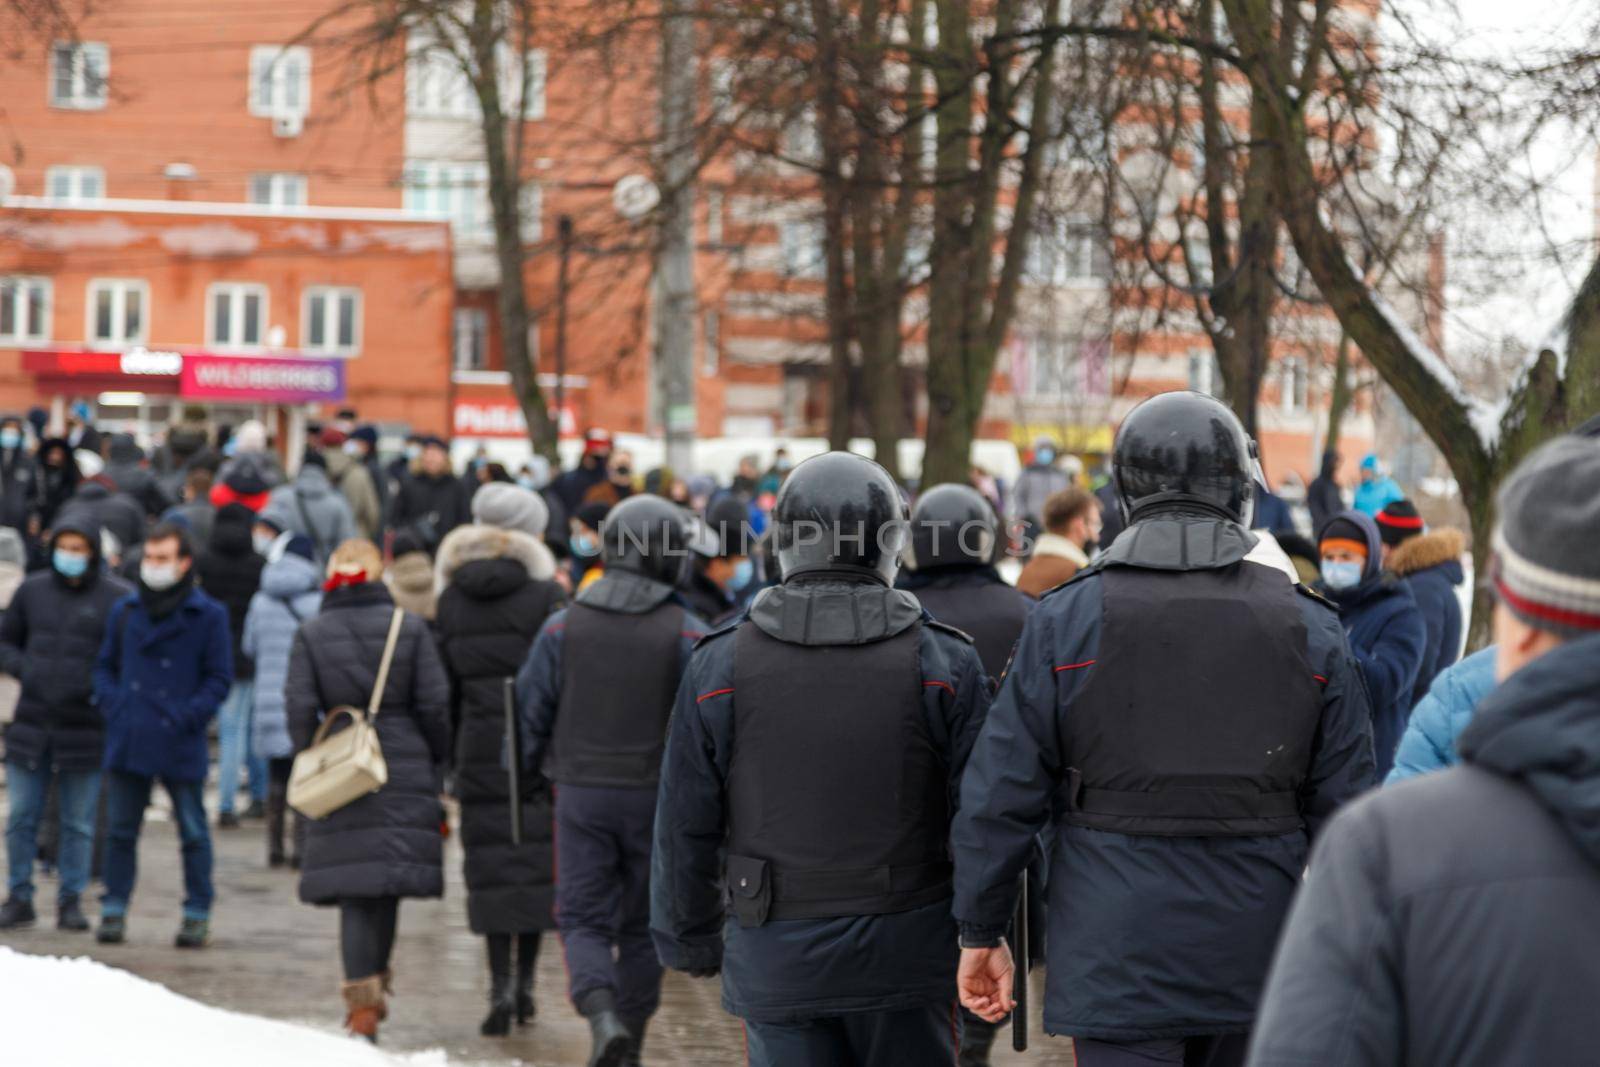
[(333, 771)]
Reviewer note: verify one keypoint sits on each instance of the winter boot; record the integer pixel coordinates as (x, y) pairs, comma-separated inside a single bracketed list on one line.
[(636, 1027), (227, 821), (194, 933), (113, 930), (502, 1000), (611, 1037), (277, 808), (977, 1038), (69, 916), (17, 914), (256, 810), (364, 1007), (527, 959)]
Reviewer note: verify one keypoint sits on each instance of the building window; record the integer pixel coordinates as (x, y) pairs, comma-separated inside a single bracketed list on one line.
[(78, 75), (714, 220), (24, 309), (332, 321), (436, 86), (278, 190), (470, 342), (802, 140), (802, 246), (535, 66), (1294, 380), (457, 192), (236, 315), (1203, 371), (280, 81), (1071, 250), (530, 211), (711, 342), (119, 312), (74, 184)]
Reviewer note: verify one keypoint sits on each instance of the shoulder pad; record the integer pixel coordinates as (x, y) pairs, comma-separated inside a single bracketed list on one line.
[(945, 627), (1310, 593), (1083, 572), (726, 628)]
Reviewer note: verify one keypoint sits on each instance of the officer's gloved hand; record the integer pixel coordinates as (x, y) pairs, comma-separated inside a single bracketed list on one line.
[(704, 972)]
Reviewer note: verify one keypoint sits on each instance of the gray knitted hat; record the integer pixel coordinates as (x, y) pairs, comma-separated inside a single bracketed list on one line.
[(1547, 546), (510, 507)]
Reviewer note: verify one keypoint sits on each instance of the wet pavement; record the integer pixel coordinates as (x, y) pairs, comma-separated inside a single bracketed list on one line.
[(272, 956)]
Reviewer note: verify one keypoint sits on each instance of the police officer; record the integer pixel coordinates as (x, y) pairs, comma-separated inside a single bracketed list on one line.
[(956, 541), (722, 576), (1187, 716), (594, 697), (821, 739)]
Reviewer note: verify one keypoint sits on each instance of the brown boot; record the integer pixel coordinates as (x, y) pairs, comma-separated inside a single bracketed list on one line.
[(364, 999)]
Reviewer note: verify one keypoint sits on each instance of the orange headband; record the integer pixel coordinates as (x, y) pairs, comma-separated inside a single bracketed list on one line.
[(1344, 544)]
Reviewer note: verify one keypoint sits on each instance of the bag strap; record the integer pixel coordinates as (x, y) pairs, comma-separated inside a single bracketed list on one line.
[(311, 527), (383, 667)]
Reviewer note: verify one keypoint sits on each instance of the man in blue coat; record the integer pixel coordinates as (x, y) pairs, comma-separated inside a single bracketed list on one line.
[(164, 668), (812, 768), (1179, 719), (1429, 562)]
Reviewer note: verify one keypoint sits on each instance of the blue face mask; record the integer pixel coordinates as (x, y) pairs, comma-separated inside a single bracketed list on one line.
[(69, 564), (583, 546), (1341, 576), (1044, 456), (743, 572), (10, 438)]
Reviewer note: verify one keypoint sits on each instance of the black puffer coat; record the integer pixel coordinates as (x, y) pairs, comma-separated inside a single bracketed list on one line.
[(386, 844), (107, 509), (230, 572), (49, 639), (497, 594)]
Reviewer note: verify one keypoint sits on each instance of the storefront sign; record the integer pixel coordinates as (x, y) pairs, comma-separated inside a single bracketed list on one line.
[(265, 380), (134, 363), (499, 418)]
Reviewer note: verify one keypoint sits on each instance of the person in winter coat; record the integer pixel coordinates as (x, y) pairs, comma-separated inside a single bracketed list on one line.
[(1386, 629), (130, 473), (18, 475), (1178, 807), (111, 510), (350, 476), (50, 636), (290, 595), (385, 846), (431, 501), (196, 511), (410, 576), (572, 486), (164, 668), (310, 505), (1323, 496), (1450, 919), (58, 480), (1039, 481), (498, 589), (363, 445), (13, 569), (722, 574), (1429, 743), (1377, 490), (248, 451), (1429, 562), (230, 572), (1072, 524)]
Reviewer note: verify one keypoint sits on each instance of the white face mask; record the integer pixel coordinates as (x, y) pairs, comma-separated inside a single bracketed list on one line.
[(159, 577), (262, 543)]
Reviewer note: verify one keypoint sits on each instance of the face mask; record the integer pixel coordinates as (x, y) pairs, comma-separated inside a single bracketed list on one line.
[(231, 448), (1338, 575), (69, 564), (10, 438), (583, 545), (528, 483), (262, 543), (413, 452), (353, 448), (784, 464), (743, 572), (158, 577), (1044, 456)]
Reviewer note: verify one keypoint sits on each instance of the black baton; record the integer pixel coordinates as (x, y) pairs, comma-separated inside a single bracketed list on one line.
[(1019, 978), (514, 760)]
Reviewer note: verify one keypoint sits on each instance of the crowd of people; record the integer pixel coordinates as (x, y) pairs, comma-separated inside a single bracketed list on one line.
[(1159, 713)]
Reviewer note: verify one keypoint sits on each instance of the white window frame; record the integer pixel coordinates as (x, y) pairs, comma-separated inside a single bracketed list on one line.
[(469, 325), (332, 294), (119, 287), (89, 74), (530, 212), (1294, 385), (20, 285), (715, 222), (280, 63), (711, 343), (1203, 374), (436, 86), (237, 292), (536, 68), (799, 237), (76, 179), (1071, 251), (277, 184), (457, 192)]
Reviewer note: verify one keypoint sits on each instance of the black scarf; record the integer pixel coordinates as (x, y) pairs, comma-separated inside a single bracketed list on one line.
[(163, 602)]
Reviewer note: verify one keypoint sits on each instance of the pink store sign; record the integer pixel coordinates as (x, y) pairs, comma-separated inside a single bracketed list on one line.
[(265, 380)]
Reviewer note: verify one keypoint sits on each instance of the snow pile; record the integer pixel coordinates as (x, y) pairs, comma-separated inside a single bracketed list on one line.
[(79, 1013)]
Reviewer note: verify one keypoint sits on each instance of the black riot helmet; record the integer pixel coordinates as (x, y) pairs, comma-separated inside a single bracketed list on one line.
[(953, 525), (646, 535), (1185, 449), (839, 513)]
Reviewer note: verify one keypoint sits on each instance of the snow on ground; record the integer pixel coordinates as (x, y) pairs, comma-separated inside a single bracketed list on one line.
[(80, 1013)]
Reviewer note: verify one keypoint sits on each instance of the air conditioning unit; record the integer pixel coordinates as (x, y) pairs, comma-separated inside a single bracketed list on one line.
[(288, 125)]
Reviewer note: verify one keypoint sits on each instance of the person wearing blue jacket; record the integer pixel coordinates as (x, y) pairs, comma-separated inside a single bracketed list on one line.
[(813, 763), (1178, 720), (1429, 743), (1377, 490), (1429, 561), (1386, 630), (164, 668)]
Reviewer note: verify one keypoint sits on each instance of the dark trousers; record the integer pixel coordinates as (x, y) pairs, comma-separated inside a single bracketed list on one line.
[(366, 935), (916, 1037), (127, 795), (1226, 1050), (603, 895)]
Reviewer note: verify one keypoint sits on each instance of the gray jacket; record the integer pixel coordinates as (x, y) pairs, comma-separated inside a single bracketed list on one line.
[(290, 594), (310, 505)]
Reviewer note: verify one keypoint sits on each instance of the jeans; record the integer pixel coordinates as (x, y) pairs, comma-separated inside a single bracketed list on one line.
[(27, 790), (366, 935), (233, 741), (128, 795)]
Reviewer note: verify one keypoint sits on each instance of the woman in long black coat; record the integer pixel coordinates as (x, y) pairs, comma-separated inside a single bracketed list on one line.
[(497, 593), (386, 845)]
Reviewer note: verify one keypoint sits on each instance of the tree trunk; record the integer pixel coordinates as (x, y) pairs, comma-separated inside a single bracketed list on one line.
[(1339, 401)]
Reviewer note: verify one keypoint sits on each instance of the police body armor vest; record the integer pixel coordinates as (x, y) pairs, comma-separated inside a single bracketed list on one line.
[(1202, 709), (619, 676), (990, 613), (837, 796)]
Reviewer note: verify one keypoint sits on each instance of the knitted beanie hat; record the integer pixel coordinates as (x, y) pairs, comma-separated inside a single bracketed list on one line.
[(1547, 546)]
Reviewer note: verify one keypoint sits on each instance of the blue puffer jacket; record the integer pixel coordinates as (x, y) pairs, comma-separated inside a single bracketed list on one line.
[(158, 683), (1429, 743), (290, 594), (1431, 567)]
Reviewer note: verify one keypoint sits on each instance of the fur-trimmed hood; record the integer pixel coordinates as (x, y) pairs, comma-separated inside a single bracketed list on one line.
[(1431, 549), (468, 544)]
